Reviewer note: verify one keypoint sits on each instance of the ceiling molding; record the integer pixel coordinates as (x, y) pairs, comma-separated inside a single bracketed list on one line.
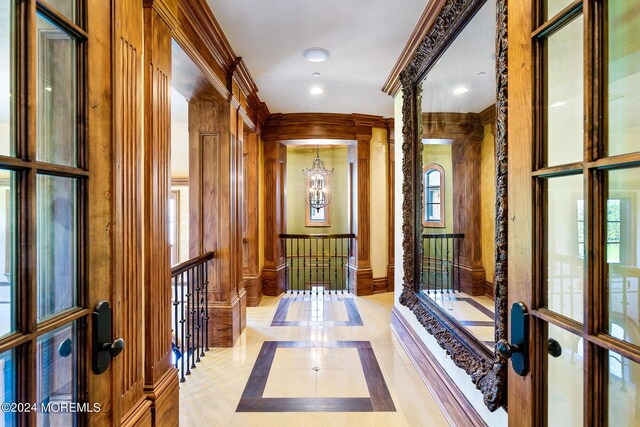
[(209, 31), (200, 18), (284, 127), (458, 126), (392, 85), (488, 115), (166, 9)]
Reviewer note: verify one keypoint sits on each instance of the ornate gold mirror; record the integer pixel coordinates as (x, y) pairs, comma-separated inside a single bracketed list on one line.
[(455, 187)]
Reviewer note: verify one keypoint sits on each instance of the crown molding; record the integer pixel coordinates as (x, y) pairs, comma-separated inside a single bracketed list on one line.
[(392, 84)]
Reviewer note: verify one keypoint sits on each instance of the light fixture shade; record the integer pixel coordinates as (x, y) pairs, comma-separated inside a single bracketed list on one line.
[(316, 54), (318, 195)]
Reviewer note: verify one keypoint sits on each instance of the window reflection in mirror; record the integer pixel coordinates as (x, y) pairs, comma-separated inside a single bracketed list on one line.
[(458, 158)]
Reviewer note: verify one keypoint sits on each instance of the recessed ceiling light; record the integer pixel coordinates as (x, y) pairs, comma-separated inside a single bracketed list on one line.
[(316, 74), (557, 104), (316, 54), (460, 90), (316, 91)]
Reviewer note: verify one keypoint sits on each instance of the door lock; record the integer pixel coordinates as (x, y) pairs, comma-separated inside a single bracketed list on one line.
[(518, 349), (104, 347)]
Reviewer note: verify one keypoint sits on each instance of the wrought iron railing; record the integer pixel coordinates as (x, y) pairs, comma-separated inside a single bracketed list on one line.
[(317, 263), (190, 283), (441, 262)]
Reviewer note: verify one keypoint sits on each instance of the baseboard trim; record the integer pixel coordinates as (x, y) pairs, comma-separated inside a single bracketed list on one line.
[(454, 404), (380, 285), (489, 289)]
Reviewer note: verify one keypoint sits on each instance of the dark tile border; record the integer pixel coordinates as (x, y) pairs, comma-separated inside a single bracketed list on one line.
[(475, 304), (283, 309), (379, 399)]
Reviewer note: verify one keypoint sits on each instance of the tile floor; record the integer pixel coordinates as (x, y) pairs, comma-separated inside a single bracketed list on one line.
[(308, 362)]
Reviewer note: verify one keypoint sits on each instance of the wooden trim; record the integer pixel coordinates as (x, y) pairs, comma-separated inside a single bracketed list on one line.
[(392, 84), (488, 115), (380, 285), (283, 127), (489, 289), (453, 403), (180, 182)]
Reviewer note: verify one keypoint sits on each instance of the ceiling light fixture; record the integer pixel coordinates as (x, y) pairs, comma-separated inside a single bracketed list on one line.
[(316, 74), (316, 91), (460, 90), (316, 54)]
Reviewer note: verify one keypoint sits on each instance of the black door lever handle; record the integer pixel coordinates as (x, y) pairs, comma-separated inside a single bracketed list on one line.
[(104, 346), (518, 349), (114, 348)]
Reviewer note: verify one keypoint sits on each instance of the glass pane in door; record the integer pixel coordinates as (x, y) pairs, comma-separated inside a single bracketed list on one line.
[(8, 224), (56, 94), (623, 253), (623, 77), (57, 244), (624, 391), (564, 92), (565, 250), (7, 82), (565, 379), (7, 386), (57, 381)]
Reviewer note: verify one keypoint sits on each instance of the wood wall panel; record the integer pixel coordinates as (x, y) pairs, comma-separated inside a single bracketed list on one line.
[(128, 302), (391, 167), (250, 238), (215, 157), (160, 375), (359, 155), (273, 272), (157, 143)]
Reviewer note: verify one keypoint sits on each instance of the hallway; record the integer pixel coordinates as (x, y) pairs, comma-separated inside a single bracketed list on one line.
[(312, 332)]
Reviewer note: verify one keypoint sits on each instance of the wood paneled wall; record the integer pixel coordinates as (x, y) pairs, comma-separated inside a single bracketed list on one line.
[(391, 167), (132, 405), (360, 192), (275, 163), (161, 381), (250, 236), (215, 214)]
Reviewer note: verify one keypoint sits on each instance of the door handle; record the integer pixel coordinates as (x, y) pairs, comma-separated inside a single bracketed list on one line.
[(518, 349), (104, 347)]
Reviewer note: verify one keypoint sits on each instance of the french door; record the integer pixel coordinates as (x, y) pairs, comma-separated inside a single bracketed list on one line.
[(43, 192), (580, 228)]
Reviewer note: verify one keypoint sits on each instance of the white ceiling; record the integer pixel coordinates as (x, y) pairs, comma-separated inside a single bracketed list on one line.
[(365, 39), (469, 54)]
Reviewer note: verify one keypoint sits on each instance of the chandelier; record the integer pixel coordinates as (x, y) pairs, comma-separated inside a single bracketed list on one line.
[(318, 192)]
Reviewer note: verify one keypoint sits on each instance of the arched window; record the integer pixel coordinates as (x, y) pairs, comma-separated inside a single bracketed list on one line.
[(433, 191)]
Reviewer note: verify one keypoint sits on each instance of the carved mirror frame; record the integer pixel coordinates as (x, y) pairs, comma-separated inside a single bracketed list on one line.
[(486, 368)]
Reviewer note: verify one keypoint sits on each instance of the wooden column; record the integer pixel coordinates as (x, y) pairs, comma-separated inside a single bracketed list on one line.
[(250, 237), (160, 378), (273, 272), (237, 211), (466, 210), (132, 406), (212, 204), (391, 167), (361, 277)]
